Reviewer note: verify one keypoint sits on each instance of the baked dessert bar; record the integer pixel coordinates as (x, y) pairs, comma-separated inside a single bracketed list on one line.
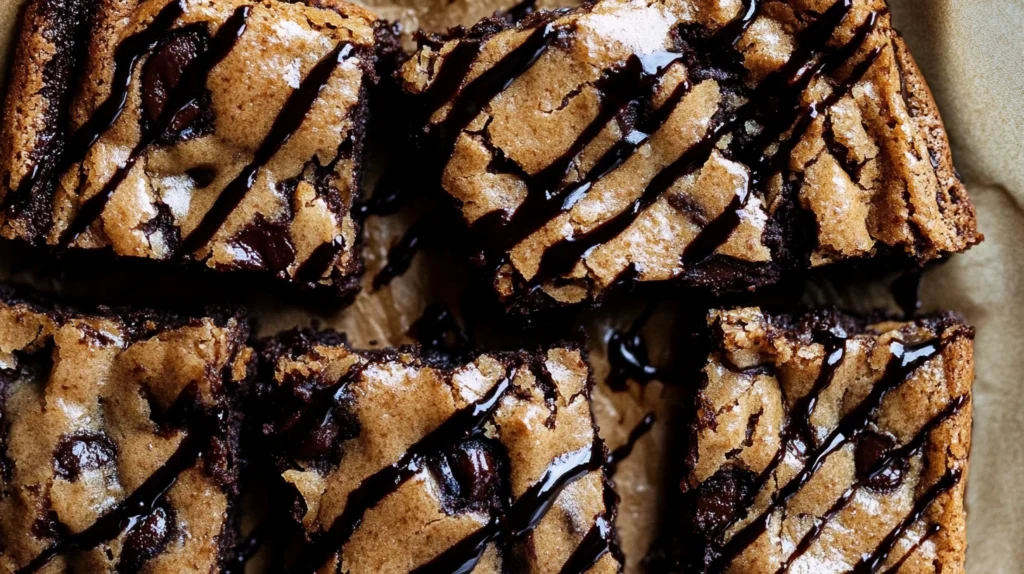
[(826, 443), (119, 439), (224, 134), (715, 144), (492, 465)]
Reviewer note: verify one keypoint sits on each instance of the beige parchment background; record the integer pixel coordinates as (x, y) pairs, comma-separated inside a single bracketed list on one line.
[(970, 52)]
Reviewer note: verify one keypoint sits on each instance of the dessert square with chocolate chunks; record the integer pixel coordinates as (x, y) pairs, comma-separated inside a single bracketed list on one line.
[(827, 443), (118, 439), (718, 145), (227, 135), (400, 462)]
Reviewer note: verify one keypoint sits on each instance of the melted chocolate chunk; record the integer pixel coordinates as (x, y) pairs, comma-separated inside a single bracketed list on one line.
[(265, 244), (163, 72), (720, 498), (145, 540), (872, 449), (469, 473), (77, 453)]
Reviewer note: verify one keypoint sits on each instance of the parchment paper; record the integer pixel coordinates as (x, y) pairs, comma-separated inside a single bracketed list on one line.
[(970, 52)]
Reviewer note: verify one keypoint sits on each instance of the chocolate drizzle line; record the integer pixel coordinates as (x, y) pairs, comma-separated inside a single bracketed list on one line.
[(904, 362), (524, 514), (912, 448), (595, 544), (288, 121), (400, 255), (126, 56), (546, 195), (872, 563), (634, 80), (611, 462), (628, 357), (780, 87), (932, 531), (318, 262), (137, 506), (184, 96), (376, 487)]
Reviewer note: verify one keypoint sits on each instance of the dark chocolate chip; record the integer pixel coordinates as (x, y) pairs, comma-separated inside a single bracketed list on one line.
[(720, 498), (872, 449), (81, 452), (145, 540)]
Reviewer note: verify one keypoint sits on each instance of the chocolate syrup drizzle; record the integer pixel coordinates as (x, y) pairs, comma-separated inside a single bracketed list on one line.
[(888, 461), (596, 543), (192, 87), (126, 56), (628, 357), (320, 261), (376, 487), (401, 254), (776, 102), (904, 362), (132, 509), (523, 516), (287, 122), (872, 563), (932, 531), (611, 462)]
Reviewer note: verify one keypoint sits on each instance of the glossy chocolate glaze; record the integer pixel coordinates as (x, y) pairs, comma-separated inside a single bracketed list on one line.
[(596, 543), (776, 103), (628, 358), (613, 459), (872, 563), (884, 472), (524, 514)]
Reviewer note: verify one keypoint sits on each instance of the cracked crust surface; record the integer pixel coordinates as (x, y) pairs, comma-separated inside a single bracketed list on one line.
[(776, 392), (387, 405), (100, 410), (150, 192), (863, 167)]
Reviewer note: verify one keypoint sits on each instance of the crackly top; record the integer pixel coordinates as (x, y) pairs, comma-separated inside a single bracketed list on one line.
[(720, 142), (824, 444), (108, 420), (220, 131), (402, 462)]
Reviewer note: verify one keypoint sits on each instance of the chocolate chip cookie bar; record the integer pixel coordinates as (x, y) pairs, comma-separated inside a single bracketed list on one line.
[(827, 443), (716, 145), (225, 135), (489, 465)]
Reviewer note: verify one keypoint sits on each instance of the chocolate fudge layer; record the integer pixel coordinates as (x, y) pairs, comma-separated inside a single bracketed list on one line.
[(718, 144), (224, 134), (402, 462), (118, 438), (825, 444)]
